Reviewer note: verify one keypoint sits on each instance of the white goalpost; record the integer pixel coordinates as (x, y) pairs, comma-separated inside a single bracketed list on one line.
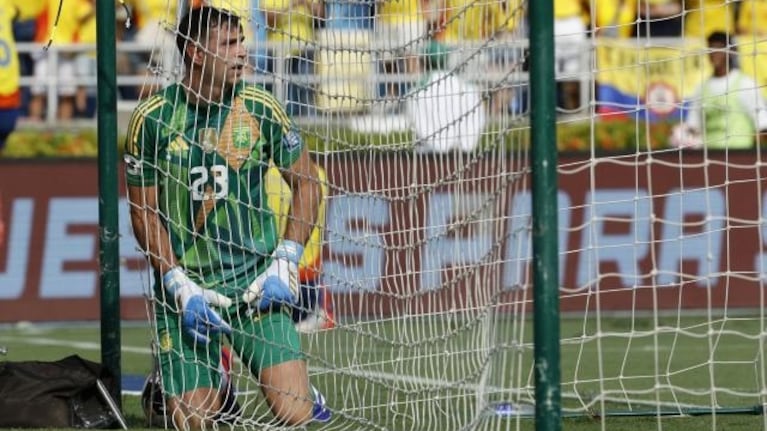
[(417, 113)]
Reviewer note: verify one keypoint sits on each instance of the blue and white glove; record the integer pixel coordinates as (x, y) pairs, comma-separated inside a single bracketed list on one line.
[(198, 319), (279, 283)]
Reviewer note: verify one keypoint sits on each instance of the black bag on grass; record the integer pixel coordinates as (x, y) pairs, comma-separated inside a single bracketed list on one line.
[(60, 394)]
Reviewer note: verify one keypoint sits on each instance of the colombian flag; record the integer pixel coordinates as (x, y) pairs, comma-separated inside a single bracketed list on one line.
[(649, 83)]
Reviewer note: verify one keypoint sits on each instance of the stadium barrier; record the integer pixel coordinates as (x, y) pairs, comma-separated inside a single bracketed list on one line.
[(49, 268), (342, 72), (642, 78)]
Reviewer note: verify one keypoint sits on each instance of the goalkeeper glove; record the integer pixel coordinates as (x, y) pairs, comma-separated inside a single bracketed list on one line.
[(198, 319), (279, 283)]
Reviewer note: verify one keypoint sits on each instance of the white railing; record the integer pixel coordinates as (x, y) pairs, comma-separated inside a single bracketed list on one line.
[(470, 60)]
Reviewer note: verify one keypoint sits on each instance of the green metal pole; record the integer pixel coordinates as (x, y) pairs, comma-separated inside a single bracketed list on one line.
[(548, 408), (109, 256)]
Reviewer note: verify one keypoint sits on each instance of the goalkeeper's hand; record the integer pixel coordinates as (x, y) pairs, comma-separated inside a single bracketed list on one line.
[(198, 319), (279, 283)]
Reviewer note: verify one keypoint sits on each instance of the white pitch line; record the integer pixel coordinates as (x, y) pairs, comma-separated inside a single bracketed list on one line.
[(84, 345), (143, 350)]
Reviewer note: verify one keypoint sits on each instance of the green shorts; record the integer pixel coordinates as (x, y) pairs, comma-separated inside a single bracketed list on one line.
[(260, 341)]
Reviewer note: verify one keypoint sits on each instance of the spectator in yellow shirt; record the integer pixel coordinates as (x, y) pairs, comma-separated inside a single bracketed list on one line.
[(85, 62), (515, 13), (752, 18), (10, 96), (510, 58), (290, 25), (703, 17), (401, 33), (468, 22), (613, 18), (472, 20), (64, 69)]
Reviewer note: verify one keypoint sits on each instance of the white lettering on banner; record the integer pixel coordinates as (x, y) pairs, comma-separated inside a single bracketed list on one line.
[(677, 245), (62, 247), (439, 250), (519, 245), (19, 231), (354, 229), (627, 207), (760, 261), (357, 225)]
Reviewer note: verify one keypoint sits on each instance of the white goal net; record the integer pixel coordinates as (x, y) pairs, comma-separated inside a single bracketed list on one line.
[(417, 114)]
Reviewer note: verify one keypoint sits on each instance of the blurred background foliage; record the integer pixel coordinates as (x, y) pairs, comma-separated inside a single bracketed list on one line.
[(617, 136), (50, 143)]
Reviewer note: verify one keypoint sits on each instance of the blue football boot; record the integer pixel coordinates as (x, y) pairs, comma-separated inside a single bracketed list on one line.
[(320, 411)]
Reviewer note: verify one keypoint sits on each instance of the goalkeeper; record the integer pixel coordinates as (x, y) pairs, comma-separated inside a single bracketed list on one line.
[(196, 156)]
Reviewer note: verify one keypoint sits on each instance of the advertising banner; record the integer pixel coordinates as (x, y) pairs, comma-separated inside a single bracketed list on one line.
[(676, 231), (49, 259)]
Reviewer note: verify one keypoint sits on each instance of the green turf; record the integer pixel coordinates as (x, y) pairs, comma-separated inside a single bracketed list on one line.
[(622, 359)]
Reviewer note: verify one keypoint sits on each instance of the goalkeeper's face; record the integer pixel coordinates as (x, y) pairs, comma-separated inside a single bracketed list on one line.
[(225, 56)]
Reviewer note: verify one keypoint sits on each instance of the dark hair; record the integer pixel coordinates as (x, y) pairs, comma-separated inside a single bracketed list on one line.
[(719, 38), (195, 24)]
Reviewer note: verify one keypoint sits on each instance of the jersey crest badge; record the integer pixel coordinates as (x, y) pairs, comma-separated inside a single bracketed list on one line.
[(208, 139), (241, 137)]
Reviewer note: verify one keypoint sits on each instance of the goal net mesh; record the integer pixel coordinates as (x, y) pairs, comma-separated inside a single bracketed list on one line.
[(417, 114)]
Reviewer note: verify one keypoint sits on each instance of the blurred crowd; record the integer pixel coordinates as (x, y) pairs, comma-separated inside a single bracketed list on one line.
[(694, 20), (410, 37)]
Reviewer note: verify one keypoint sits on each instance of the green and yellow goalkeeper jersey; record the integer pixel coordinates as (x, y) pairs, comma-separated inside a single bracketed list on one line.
[(208, 163)]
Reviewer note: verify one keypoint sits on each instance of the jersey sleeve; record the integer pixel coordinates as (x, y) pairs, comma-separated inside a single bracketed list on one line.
[(285, 143), (141, 145)]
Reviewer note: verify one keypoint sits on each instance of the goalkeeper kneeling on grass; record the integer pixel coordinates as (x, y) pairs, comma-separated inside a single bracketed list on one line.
[(196, 156), (313, 312)]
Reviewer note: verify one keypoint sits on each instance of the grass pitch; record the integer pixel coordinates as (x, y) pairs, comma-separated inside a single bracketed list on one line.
[(623, 374)]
